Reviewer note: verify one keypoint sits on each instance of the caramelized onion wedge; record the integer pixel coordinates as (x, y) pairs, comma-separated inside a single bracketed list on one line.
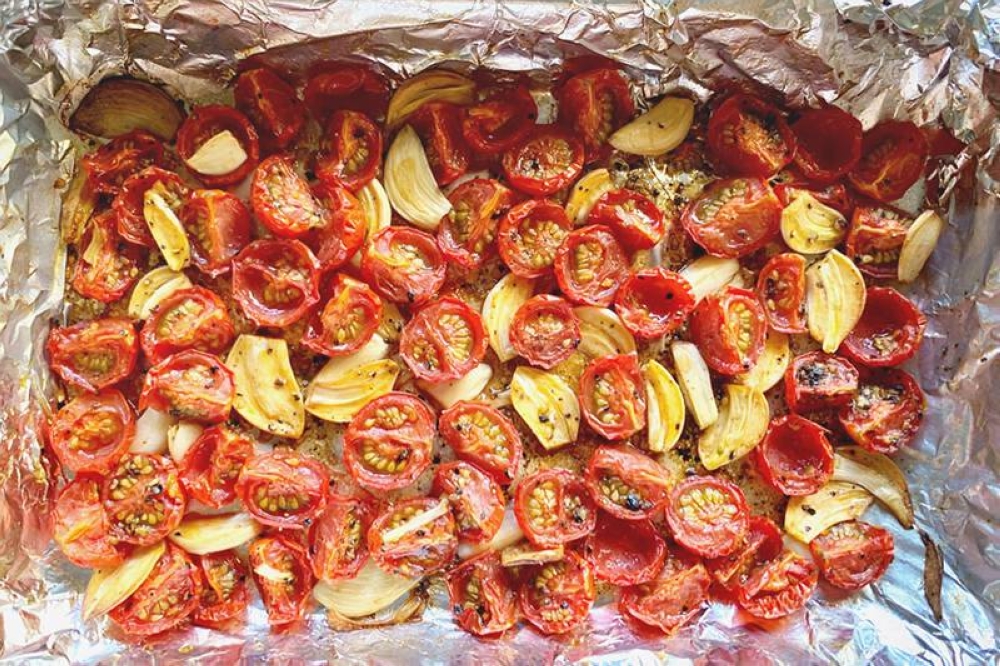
[(810, 227), (709, 274), (743, 419), (432, 86), (467, 387), (835, 299), (664, 407), (152, 288), (371, 591), (921, 239), (109, 587), (523, 554), (200, 535), (877, 474), (117, 106), (166, 229), (695, 383), (377, 209), (591, 187), (547, 404), (770, 367), (499, 308), (267, 393), (221, 154), (509, 533), (602, 333), (806, 517), (659, 130), (410, 184), (347, 383)]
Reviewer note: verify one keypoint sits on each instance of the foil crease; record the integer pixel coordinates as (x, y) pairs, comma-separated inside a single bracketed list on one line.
[(926, 60)]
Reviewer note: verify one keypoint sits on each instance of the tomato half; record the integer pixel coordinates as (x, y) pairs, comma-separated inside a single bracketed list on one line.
[(749, 137), (818, 381), (853, 554), (795, 457), (92, 432), (168, 596), (283, 488), (626, 483), (106, 268), (282, 199), (654, 302), (338, 539), (763, 543), (778, 587), (893, 154), (545, 331), (467, 232), (110, 166), (225, 593), (733, 217), (476, 500), (212, 465), (481, 596), (333, 86), (95, 354), (143, 498), (673, 599), (781, 291), (204, 123), (272, 106), (404, 265), (483, 436), (593, 104), (192, 318), (503, 118), (348, 320), (443, 340), (284, 578), (625, 552), (553, 507), (544, 162), (557, 596), (889, 332), (80, 525), (635, 219), (439, 126), (530, 235), (129, 202), (828, 143), (350, 152), (590, 266), (613, 396), (388, 443), (189, 385), (218, 227), (419, 551), (276, 282), (729, 328), (875, 239), (708, 515), (344, 233), (887, 411)]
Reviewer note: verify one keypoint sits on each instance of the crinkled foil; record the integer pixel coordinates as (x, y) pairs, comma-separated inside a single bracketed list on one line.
[(926, 60)]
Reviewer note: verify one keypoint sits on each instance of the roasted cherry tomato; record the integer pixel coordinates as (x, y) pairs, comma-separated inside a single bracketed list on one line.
[(498, 122), (439, 125), (733, 217), (143, 499), (626, 483), (168, 596), (225, 594), (476, 500), (283, 576), (110, 166), (351, 151), (333, 86), (544, 162), (635, 219), (828, 143), (189, 385), (530, 235), (283, 201), (481, 596), (553, 507), (80, 525), (749, 137), (778, 587), (348, 320), (276, 282), (92, 432), (781, 291), (192, 318), (218, 226), (95, 354), (795, 457), (853, 554), (272, 106), (417, 549), (467, 232), (130, 200), (592, 105), (205, 123), (212, 465), (625, 552), (889, 332), (673, 599), (893, 154), (545, 331), (404, 265), (590, 266), (557, 596), (729, 328), (887, 411), (763, 542), (653, 302), (708, 515), (443, 340), (483, 436), (388, 443), (338, 538), (818, 381), (106, 268), (283, 488), (613, 397), (344, 233), (875, 239)]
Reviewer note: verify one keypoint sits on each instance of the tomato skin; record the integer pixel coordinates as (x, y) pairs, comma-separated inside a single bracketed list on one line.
[(556, 597), (128, 203), (286, 601), (853, 554), (211, 466), (192, 318), (93, 355), (893, 154), (477, 501), (673, 599), (778, 587), (733, 217), (439, 125), (343, 85), (353, 308), (625, 552), (545, 331), (218, 226), (749, 137), (202, 124), (419, 552), (544, 162), (174, 587), (466, 234), (763, 542), (467, 427), (79, 503), (621, 411), (713, 533), (111, 165), (494, 610), (887, 411), (387, 264), (795, 456), (190, 385), (530, 235), (444, 340), (590, 266), (92, 432), (150, 502), (875, 239), (283, 201), (225, 593), (271, 105), (496, 123), (654, 302), (344, 234), (276, 282), (592, 105), (268, 479), (889, 332), (397, 431), (337, 539), (828, 143), (781, 291), (718, 325), (635, 219), (560, 501), (115, 266), (818, 381), (350, 135)]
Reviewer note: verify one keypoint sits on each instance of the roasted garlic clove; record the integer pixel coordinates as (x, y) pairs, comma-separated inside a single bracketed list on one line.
[(117, 106), (378, 211), (393, 321), (664, 407), (835, 299), (347, 383), (547, 404), (877, 474), (659, 130), (806, 517), (602, 333), (468, 387), (695, 383), (371, 591), (811, 227), (200, 535), (770, 367), (708, 275), (167, 229), (221, 154), (431, 86), (410, 184), (152, 288), (591, 187), (743, 419), (267, 393), (921, 239), (499, 308), (109, 587), (180, 437), (151, 429)]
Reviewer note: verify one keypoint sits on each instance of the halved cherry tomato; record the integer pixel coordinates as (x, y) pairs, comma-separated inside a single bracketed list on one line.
[(338, 539), (749, 137), (673, 599), (129, 202), (708, 515), (626, 483), (590, 266), (788, 185), (143, 499), (476, 500), (443, 340), (818, 381), (654, 302), (218, 226), (635, 219), (212, 465), (545, 331), (557, 596), (420, 551), (467, 232), (92, 432), (345, 230), (593, 104), (501, 120), (613, 397), (828, 143), (283, 488), (733, 217), (404, 265), (272, 106), (853, 554), (481, 596), (106, 268), (530, 235), (276, 282), (544, 162), (439, 125), (95, 354), (348, 320), (110, 165), (893, 154), (388, 443), (887, 411), (204, 123), (80, 525), (283, 576), (190, 385), (729, 328), (226, 592), (625, 552), (553, 507), (781, 291), (795, 457), (889, 332), (875, 239), (283, 201), (168, 596), (333, 86), (351, 151), (192, 318), (483, 436), (778, 587), (763, 542)]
